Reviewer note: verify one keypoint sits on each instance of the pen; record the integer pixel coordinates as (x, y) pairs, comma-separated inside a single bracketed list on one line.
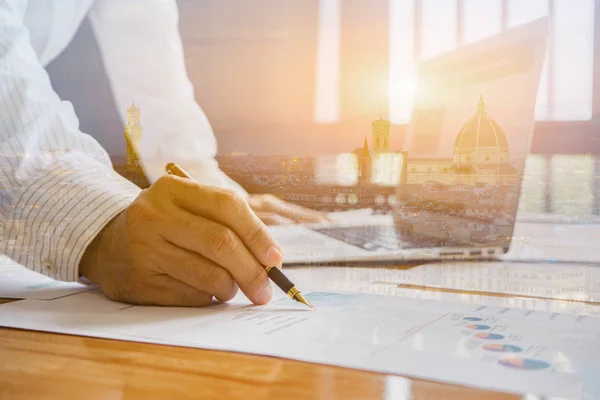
[(274, 273)]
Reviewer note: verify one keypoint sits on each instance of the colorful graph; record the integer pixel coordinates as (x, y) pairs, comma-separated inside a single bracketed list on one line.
[(473, 319), (502, 348), (478, 327), (524, 363), (489, 336)]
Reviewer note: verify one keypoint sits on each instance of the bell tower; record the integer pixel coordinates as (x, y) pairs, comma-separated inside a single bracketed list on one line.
[(133, 134), (381, 136), (365, 165)]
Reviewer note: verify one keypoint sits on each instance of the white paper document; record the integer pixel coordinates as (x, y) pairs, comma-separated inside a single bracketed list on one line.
[(17, 282), (555, 243), (514, 350)]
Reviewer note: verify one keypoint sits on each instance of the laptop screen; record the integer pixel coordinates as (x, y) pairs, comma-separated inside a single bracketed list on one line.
[(470, 132), (455, 180)]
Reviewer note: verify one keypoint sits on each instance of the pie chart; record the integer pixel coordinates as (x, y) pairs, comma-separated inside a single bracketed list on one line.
[(478, 327), (502, 348), (473, 319), (524, 363), (489, 336)]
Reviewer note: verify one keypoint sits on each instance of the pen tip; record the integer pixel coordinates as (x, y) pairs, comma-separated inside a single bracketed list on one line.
[(300, 298)]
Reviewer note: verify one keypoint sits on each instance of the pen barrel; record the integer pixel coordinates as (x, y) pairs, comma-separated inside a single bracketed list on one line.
[(280, 279), (174, 169)]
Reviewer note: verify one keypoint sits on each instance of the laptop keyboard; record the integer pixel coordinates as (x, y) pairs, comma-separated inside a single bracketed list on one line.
[(375, 237)]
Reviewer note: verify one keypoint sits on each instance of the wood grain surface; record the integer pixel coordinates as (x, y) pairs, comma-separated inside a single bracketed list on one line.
[(36, 365)]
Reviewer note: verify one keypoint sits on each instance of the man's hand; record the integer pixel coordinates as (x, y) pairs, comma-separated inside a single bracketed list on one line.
[(179, 244), (273, 211)]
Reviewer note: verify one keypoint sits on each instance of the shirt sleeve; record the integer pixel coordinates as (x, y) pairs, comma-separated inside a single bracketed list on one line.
[(57, 185), (143, 56)]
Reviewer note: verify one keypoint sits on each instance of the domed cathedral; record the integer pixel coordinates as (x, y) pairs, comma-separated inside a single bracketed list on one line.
[(480, 155), (481, 150), (480, 141)]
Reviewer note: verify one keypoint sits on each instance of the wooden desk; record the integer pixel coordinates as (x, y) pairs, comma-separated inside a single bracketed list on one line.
[(37, 365), (46, 365)]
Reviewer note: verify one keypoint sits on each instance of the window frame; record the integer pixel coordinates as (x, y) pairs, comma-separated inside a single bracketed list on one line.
[(550, 137), (573, 137)]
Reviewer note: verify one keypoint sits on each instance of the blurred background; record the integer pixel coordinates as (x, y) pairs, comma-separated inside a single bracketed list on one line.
[(286, 77)]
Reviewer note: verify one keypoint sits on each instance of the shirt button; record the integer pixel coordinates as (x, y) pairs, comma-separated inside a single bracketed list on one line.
[(48, 265)]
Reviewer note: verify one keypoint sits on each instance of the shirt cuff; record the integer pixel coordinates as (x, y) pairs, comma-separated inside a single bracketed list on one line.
[(59, 211)]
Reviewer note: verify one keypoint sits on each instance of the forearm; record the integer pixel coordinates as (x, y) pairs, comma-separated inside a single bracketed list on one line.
[(55, 214), (143, 55), (57, 186)]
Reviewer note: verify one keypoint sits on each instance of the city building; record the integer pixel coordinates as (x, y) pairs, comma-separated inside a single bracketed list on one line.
[(133, 134), (381, 136), (480, 156), (130, 168), (364, 161)]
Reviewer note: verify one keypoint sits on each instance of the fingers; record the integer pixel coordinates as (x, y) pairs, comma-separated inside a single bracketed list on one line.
[(229, 209), (290, 211), (198, 272), (273, 219), (160, 290), (223, 247)]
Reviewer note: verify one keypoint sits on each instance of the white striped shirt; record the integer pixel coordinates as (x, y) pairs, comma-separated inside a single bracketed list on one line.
[(57, 185)]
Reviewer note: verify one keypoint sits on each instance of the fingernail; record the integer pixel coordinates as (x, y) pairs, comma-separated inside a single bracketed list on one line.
[(266, 294), (274, 256)]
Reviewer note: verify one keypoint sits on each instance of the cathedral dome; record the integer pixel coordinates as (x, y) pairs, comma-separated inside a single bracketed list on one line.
[(481, 131), (481, 140)]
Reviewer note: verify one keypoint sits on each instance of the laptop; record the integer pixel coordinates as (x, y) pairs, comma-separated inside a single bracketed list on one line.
[(452, 191)]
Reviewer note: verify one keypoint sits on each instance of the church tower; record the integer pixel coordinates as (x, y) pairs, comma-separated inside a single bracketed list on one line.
[(133, 134), (381, 136), (365, 165)]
